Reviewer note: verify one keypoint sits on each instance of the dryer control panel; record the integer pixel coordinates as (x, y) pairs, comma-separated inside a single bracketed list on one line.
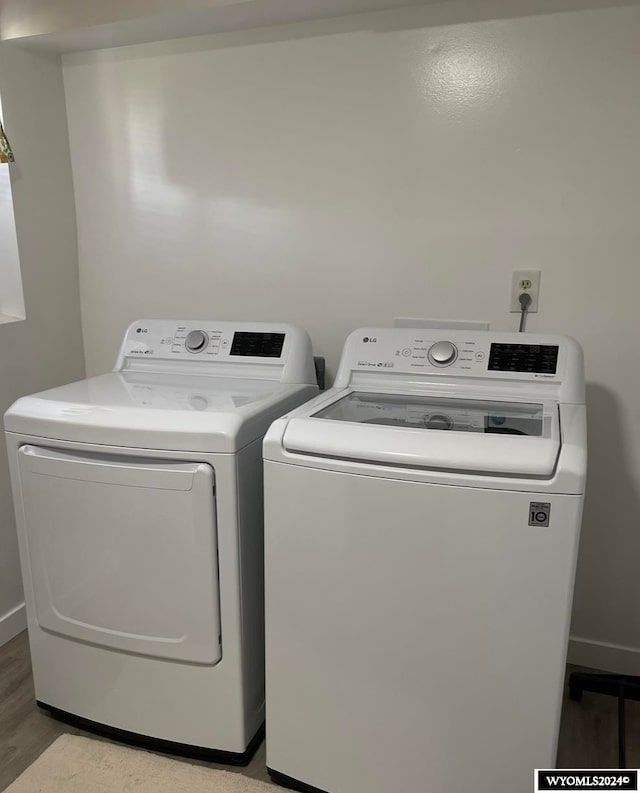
[(272, 350), (172, 340)]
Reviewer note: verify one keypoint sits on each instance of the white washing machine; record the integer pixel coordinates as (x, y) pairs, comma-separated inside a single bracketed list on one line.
[(421, 529), (139, 509)]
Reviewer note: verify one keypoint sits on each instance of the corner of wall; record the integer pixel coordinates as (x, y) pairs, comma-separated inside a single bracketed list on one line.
[(12, 623)]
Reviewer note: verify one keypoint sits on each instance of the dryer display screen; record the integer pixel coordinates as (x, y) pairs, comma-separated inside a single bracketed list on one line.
[(534, 358), (257, 345)]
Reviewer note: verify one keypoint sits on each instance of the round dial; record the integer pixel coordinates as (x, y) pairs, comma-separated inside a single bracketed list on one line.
[(438, 421), (198, 402), (443, 353), (196, 340)]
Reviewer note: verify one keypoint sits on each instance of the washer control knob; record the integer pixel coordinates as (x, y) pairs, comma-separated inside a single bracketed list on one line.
[(443, 353), (438, 421), (196, 340)]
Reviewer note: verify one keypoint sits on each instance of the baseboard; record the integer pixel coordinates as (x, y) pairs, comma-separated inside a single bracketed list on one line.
[(604, 656), (293, 784), (12, 623)]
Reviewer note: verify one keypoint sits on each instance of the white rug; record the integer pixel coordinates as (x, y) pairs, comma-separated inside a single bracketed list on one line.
[(80, 765)]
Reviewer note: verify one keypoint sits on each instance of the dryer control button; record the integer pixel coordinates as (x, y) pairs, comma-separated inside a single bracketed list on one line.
[(443, 353), (196, 340)]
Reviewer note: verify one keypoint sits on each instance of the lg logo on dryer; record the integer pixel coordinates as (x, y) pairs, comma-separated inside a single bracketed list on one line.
[(369, 340)]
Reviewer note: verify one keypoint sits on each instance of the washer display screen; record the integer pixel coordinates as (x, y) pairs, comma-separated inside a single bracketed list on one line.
[(534, 358)]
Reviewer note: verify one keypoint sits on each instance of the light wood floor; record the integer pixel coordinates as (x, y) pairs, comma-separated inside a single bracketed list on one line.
[(588, 737)]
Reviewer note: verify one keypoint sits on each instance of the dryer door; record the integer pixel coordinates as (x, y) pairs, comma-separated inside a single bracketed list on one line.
[(123, 552)]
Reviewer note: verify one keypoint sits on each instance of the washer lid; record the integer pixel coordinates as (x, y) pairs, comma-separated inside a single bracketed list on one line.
[(490, 436), (157, 411)]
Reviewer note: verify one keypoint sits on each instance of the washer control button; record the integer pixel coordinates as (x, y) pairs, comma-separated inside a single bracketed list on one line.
[(480, 356), (196, 340), (443, 353)]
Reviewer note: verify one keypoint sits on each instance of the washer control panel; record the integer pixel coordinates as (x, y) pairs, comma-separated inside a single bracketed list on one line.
[(456, 353), (410, 350)]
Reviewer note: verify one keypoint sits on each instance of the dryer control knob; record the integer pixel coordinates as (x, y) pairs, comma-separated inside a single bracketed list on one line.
[(443, 353), (196, 340)]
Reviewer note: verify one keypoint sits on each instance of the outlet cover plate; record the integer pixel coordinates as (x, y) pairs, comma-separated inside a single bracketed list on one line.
[(520, 280)]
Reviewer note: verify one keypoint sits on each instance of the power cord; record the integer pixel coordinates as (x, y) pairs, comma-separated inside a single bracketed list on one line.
[(525, 302)]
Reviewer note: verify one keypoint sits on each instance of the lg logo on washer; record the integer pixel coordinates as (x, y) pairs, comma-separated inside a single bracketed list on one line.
[(369, 340), (539, 513)]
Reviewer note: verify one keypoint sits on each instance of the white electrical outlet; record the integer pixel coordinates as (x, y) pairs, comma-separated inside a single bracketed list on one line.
[(525, 281)]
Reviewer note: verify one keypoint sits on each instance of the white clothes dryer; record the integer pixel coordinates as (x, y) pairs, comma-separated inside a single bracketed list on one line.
[(139, 510), (421, 530)]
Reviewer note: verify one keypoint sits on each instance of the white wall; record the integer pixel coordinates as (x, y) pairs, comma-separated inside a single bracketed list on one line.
[(46, 349), (340, 173)]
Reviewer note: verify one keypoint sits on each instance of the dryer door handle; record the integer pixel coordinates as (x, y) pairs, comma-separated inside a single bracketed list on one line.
[(113, 470)]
